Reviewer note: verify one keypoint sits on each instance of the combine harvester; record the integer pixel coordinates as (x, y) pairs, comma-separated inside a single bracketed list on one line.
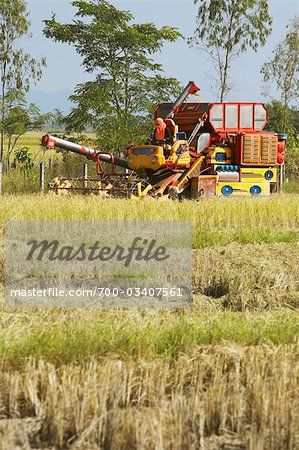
[(218, 150)]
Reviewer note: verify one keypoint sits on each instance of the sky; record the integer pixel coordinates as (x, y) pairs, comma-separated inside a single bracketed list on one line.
[(64, 70)]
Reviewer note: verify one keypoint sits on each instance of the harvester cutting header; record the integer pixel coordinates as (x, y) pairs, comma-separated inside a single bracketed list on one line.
[(206, 150)]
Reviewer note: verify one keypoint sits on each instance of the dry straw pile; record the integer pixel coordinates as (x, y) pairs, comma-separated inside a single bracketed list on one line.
[(224, 397)]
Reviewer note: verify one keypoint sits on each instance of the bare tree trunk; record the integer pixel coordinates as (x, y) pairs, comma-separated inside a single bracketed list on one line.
[(225, 75), (227, 54), (2, 146), (2, 131), (285, 110), (3, 86), (126, 111), (9, 149)]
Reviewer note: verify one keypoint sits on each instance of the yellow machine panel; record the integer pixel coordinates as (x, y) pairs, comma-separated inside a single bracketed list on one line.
[(152, 157), (242, 189), (258, 175), (259, 149), (146, 157), (183, 159), (219, 155)]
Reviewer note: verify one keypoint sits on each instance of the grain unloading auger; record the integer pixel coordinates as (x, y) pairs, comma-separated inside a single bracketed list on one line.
[(105, 182), (217, 149)]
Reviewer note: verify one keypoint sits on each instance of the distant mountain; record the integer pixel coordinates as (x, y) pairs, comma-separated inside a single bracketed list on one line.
[(48, 101)]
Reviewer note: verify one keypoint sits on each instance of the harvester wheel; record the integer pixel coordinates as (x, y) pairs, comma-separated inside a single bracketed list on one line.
[(186, 194), (173, 193)]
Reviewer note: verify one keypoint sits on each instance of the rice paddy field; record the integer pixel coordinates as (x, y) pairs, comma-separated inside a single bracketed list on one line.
[(221, 375)]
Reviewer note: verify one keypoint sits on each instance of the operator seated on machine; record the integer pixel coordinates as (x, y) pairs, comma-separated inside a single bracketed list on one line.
[(161, 134)]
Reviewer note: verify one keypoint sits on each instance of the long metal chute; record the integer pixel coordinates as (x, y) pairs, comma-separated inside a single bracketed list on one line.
[(191, 88), (53, 141)]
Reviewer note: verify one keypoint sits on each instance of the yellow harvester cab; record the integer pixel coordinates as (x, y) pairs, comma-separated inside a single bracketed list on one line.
[(152, 157), (148, 157)]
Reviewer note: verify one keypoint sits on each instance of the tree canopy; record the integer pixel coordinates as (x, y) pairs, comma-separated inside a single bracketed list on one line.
[(227, 28), (120, 54), (18, 69), (283, 69)]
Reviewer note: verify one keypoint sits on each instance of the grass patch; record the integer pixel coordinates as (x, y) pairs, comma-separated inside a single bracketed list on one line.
[(62, 337), (292, 187), (214, 222), (248, 277)]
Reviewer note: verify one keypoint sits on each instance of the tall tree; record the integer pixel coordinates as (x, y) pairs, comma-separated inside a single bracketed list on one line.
[(227, 28), (17, 68), (283, 70), (120, 54), (21, 118)]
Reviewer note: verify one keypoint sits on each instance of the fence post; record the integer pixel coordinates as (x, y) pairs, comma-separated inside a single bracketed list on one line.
[(85, 174), (280, 177), (42, 176), (0, 177)]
